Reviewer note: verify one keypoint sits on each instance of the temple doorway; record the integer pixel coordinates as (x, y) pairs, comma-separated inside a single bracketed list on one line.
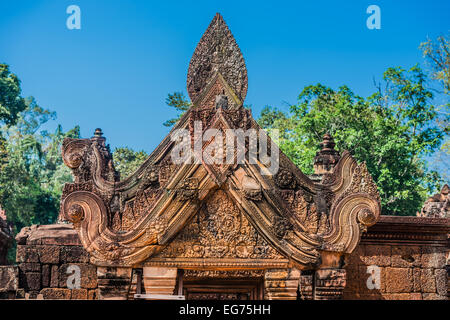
[(223, 289)]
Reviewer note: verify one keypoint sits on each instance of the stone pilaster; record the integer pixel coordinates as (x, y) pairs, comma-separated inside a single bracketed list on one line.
[(113, 283), (306, 285), (281, 284), (160, 280), (329, 284)]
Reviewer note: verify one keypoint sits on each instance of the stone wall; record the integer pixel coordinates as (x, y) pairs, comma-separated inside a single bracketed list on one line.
[(44, 254), (410, 255)]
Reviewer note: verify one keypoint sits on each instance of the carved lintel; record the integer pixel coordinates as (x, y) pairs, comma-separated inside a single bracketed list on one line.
[(329, 284), (223, 273), (113, 283), (281, 284)]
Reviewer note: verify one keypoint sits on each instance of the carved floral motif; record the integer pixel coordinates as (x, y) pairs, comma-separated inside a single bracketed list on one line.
[(219, 230)]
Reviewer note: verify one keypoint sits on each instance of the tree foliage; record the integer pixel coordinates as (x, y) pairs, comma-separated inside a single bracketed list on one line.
[(31, 179), (11, 102), (126, 160), (437, 54), (178, 101), (392, 131)]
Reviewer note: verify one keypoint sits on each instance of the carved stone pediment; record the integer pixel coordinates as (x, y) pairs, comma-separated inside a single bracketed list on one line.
[(229, 213), (218, 231)]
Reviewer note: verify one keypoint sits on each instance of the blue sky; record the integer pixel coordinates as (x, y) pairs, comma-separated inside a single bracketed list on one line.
[(116, 72)]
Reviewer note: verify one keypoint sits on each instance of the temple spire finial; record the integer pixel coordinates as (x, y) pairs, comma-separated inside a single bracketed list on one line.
[(217, 56), (327, 158)]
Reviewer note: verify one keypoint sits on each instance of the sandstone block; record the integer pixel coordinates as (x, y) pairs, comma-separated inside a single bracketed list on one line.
[(48, 254), (32, 281), (403, 296), (79, 294), (428, 282), (30, 267), (9, 278), (92, 294), (54, 277), (88, 275), (399, 280), (377, 255), (45, 275), (406, 256), (56, 294), (441, 281), (433, 296), (433, 257), (417, 279), (75, 254), (26, 253)]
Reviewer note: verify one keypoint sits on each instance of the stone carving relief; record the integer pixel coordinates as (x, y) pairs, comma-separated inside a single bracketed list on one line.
[(219, 230), (215, 211), (437, 206), (217, 52)]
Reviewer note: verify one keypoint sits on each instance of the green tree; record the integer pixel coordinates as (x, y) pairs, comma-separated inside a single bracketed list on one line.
[(437, 55), (126, 160), (31, 181), (178, 101), (392, 131), (11, 102), (32, 172)]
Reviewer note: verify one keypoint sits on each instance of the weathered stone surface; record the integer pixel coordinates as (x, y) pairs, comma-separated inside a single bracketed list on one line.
[(53, 234), (441, 281), (54, 276), (88, 274), (22, 236), (56, 294), (74, 254), (399, 280), (79, 294), (113, 283), (30, 267), (428, 281), (45, 276), (433, 296), (377, 255), (26, 254), (92, 294), (32, 281), (417, 279), (48, 253), (217, 51), (406, 256), (9, 278), (438, 205), (433, 257), (329, 284), (403, 296)]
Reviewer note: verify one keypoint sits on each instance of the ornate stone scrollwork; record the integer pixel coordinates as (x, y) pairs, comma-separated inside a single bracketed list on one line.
[(188, 190), (281, 226), (285, 179), (251, 188), (217, 52), (75, 214), (222, 215)]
